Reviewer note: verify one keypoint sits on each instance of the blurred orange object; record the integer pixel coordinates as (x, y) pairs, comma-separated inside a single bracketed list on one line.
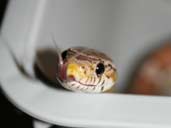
[(154, 76)]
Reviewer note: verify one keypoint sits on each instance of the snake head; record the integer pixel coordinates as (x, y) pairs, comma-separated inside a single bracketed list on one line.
[(87, 72)]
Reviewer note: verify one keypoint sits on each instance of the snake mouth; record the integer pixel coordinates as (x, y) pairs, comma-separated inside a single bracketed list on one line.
[(85, 84), (71, 78), (75, 73)]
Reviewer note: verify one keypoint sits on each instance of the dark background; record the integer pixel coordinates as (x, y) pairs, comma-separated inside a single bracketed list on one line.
[(3, 5), (10, 116)]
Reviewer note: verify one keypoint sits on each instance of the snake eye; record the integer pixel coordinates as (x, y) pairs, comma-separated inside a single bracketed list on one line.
[(100, 68), (64, 54)]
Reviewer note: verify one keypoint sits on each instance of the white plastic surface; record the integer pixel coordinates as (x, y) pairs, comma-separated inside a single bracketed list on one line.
[(122, 29)]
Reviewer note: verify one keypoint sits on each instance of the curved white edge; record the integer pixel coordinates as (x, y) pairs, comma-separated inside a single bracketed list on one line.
[(77, 109)]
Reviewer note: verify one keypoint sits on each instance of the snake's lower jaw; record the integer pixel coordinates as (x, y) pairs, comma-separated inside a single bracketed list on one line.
[(111, 90), (77, 87)]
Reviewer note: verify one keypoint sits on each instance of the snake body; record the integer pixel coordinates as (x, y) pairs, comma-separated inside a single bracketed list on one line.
[(86, 70)]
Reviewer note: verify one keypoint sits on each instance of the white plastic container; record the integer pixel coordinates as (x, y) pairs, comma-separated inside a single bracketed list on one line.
[(125, 30)]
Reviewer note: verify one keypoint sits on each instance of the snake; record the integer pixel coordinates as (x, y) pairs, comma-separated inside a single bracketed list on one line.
[(82, 69)]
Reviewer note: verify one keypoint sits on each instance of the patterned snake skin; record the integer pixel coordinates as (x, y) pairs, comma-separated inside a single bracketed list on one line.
[(86, 70)]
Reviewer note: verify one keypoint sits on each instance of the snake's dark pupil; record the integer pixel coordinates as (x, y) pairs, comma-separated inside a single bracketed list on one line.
[(100, 68), (64, 54)]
